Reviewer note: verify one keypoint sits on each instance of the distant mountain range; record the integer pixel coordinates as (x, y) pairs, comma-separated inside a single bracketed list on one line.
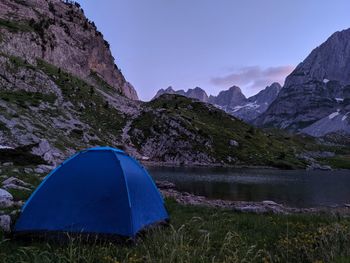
[(315, 98), (233, 100), (60, 92)]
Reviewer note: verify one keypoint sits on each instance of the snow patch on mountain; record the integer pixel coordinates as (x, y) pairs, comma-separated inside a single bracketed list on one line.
[(334, 114)]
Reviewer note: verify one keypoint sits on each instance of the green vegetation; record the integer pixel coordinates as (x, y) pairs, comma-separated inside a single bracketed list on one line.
[(101, 83), (92, 106), (255, 147), (199, 234), (25, 99), (15, 26), (340, 162)]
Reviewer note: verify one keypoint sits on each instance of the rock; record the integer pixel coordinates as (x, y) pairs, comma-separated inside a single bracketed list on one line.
[(7, 164), (19, 203), (28, 170), (314, 99), (46, 168), (196, 93), (89, 58), (229, 98), (48, 152), (317, 166), (252, 209), (5, 223), (39, 170), (234, 143), (15, 212), (268, 202), (6, 199), (165, 185), (17, 187), (347, 205), (14, 180)]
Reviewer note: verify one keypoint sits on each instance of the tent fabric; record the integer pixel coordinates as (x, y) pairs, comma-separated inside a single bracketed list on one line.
[(100, 190)]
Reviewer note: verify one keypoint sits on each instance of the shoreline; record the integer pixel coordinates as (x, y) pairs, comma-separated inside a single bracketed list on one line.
[(149, 164), (152, 164), (168, 190)]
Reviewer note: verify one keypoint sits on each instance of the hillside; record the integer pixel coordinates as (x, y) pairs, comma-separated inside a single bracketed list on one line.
[(233, 100), (61, 92)]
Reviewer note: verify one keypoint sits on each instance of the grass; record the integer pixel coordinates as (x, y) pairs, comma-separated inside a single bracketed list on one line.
[(199, 234), (340, 162), (256, 147), (25, 99), (15, 26), (102, 83), (92, 108), (203, 124)]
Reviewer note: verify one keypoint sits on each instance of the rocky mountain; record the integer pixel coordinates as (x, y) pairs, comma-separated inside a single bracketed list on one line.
[(316, 95), (61, 92), (229, 98), (232, 100), (249, 109), (60, 34), (196, 93)]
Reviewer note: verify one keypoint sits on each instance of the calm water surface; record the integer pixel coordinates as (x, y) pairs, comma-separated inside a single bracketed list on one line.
[(295, 188)]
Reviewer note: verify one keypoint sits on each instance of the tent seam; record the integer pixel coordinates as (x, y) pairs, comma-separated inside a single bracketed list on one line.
[(128, 193)]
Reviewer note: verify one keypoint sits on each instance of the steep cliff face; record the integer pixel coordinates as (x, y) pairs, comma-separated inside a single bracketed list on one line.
[(61, 92), (229, 98), (60, 34), (315, 98)]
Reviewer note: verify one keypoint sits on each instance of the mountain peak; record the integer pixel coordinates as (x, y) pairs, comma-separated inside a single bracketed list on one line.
[(316, 91), (230, 98), (59, 33), (330, 61)]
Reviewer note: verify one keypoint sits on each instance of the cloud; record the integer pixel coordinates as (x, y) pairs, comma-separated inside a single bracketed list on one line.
[(253, 77)]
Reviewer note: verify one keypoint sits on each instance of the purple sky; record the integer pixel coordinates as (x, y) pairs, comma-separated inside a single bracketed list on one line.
[(213, 44)]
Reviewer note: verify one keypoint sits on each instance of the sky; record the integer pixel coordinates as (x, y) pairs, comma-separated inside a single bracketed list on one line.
[(213, 44)]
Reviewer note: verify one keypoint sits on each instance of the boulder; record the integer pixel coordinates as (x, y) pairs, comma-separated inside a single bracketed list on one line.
[(234, 143), (6, 199), (317, 166), (5, 223), (28, 170), (14, 180), (17, 187)]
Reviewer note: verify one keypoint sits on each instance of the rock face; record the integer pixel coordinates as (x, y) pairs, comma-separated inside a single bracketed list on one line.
[(60, 34), (316, 96), (232, 100), (196, 93), (249, 109), (60, 92), (229, 98)]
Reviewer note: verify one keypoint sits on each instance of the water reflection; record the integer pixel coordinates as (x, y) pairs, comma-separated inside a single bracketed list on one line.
[(295, 188)]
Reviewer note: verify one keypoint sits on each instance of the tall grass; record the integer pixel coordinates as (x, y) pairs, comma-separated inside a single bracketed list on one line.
[(198, 234)]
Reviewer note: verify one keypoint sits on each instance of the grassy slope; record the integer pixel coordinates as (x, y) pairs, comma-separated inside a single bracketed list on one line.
[(88, 105), (256, 147), (199, 234)]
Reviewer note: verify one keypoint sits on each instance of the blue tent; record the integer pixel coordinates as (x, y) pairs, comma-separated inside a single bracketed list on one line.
[(100, 190)]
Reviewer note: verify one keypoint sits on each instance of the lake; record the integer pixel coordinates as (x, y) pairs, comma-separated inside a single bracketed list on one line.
[(297, 188)]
